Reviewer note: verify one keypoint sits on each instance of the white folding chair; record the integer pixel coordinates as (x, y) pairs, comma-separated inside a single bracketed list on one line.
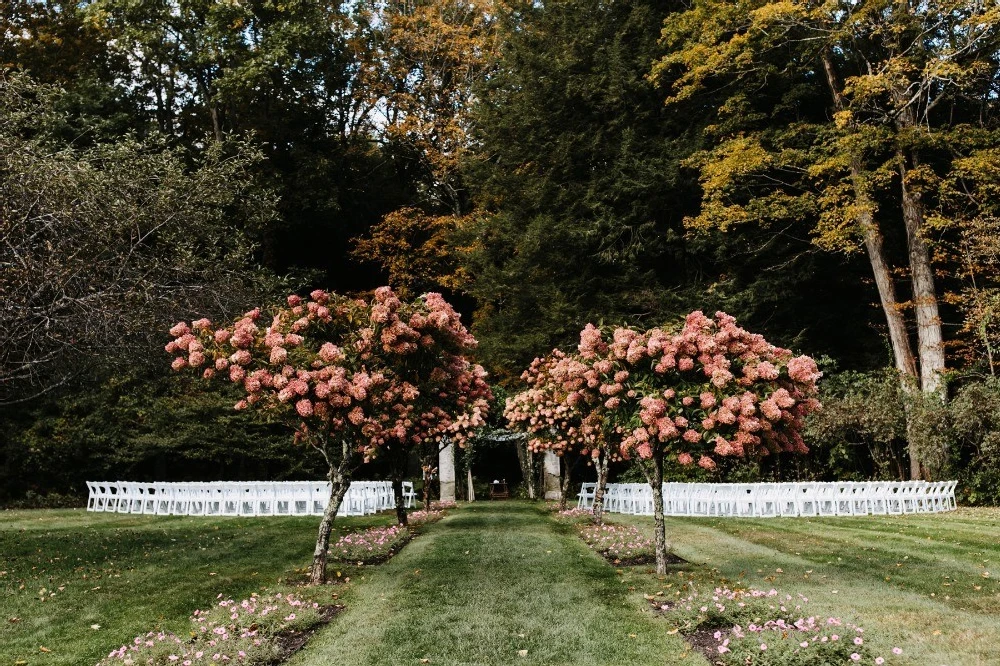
[(844, 496), (806, 499), (125, 496), (95, 502), (766, 501), (878, 498), (949, 496), (409, 494), (860, 495), (787, 499)]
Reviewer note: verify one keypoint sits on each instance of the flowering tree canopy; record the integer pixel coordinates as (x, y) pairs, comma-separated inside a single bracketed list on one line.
[(560, 412), (544, 413), (711, 389), (359, 378)]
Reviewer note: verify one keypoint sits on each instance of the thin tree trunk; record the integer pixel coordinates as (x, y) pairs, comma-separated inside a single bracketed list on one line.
[(540, 479), (397, 491), (398, 472), (602, 485), (427, 490), (340, 481), (216, 125), (654, 475), (564, 486), (902, 350), (526, 459)]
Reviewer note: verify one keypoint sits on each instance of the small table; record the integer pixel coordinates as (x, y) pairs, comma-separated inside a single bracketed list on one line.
[(499, 491)]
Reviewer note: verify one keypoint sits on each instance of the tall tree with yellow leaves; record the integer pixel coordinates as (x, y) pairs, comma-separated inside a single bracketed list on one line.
[(846, 116)]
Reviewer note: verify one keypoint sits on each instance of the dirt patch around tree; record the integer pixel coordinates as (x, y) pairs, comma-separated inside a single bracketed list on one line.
[(291, 642), (641, 560), (703, 641)]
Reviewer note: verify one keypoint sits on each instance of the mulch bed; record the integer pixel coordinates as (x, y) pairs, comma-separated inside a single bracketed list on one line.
[(641, 560), (371, 561), (703, 641), (291, 642)]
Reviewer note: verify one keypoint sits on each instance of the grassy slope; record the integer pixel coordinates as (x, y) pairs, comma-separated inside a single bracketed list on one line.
[(130, 574), (484, 583), (919, 582)]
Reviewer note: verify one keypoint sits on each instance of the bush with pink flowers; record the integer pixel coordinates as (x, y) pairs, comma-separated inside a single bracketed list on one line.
[(418, 518), (247, 632), (372, 545), (766, 628), (574, 514)]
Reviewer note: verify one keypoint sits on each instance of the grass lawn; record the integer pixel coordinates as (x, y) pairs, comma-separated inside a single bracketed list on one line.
[(63, 571), (927, 583), (490, 580), (495, 578)]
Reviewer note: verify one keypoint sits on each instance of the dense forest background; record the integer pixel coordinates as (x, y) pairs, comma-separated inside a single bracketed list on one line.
[(827, 173)]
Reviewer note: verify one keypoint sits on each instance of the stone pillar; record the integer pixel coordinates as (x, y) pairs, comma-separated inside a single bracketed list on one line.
[(553, 489), (446, 472)]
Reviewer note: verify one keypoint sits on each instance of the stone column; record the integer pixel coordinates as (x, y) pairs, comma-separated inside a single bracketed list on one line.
[(446, 472), (553, 490)]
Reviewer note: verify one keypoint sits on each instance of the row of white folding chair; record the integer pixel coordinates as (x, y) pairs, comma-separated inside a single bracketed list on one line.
[(786, 499), (236, 498)]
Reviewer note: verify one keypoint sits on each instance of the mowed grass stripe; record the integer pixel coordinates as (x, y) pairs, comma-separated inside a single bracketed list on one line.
[(848, 567), (485, 583)]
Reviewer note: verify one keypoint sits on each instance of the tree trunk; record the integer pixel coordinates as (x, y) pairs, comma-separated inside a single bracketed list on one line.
[(930, 341), (899, 339), (397, 491), (602, 484), (399, 459), (340, 481), (526, 459), (565, 483), (540, 479), (654, 475), (902, 350), (427, 489)]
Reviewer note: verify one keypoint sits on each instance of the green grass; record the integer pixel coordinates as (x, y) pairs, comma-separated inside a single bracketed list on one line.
[(495, 578), (928, 583), (490, 580), (63, 571)]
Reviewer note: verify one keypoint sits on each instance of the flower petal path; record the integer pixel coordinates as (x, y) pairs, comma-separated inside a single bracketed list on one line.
[(493, 579)]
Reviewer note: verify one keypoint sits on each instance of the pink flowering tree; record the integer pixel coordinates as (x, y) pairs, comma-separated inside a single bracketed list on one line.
[(357, 379), (559, 412), (709, 390), (542, 413), (583, 379)]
